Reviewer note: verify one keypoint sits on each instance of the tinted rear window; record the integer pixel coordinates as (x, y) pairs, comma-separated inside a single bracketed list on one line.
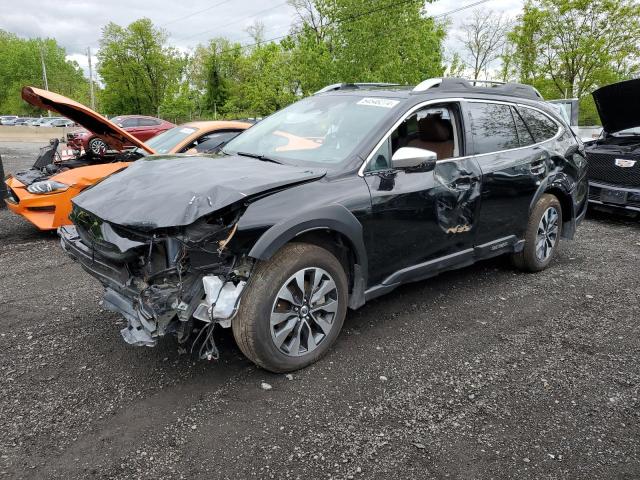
[(492, 127)]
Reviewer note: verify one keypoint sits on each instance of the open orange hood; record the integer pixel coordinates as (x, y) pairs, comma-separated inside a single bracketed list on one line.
[(115, 136)]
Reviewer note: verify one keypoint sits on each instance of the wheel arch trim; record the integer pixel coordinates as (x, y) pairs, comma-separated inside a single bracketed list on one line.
[(334, 217), (559, 186)]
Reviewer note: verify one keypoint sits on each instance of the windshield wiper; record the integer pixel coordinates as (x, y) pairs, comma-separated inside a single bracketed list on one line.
[(258, 157)]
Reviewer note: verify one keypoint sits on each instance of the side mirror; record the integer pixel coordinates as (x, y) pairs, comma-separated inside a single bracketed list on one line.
[(411, 157)]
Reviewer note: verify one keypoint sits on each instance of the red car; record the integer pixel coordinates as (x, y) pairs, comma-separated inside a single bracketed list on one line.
[(140, 126)]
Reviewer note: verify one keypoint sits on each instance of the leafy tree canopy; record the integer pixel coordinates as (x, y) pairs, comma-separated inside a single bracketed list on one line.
[(20, 65)]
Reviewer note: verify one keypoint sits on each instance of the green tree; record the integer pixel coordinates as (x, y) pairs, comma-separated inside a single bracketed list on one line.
[(571, 47), (137, 67), (20, 65), (382, 41)]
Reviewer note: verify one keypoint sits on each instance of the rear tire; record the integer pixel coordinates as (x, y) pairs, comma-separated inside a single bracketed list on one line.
[(278, 326), (97, 145), (542, 236)]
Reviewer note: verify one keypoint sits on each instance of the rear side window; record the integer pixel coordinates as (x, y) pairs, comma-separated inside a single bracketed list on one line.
[(541, 127), (492, 127), (524, 135)]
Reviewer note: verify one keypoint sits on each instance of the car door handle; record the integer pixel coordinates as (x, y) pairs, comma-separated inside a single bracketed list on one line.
[(463, 183)]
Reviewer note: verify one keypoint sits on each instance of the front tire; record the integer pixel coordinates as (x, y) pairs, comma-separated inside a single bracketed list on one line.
[(293, 309), (542, 236)]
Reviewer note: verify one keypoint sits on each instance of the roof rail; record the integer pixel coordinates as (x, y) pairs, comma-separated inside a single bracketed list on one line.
[(354, 86), (452, 84)]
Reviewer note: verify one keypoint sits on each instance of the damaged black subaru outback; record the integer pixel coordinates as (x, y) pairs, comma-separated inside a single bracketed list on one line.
[(326, 204)]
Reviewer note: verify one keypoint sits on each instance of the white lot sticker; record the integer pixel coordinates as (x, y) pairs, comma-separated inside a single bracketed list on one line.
[(187, 130), (378, 102)]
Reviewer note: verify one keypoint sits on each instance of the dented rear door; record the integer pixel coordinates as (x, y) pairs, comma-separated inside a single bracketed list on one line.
[(511, 172)]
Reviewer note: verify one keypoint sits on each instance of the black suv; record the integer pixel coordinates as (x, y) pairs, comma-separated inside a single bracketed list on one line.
[(614, 159), (326, 204)]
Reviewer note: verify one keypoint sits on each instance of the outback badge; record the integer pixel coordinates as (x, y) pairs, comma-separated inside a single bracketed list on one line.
[(459, 229), (623, 163)]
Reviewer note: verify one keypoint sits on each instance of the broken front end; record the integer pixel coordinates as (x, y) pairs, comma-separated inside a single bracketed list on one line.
[(178, 280)]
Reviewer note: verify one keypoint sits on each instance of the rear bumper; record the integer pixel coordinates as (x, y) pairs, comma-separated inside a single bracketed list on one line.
[(614, 196)]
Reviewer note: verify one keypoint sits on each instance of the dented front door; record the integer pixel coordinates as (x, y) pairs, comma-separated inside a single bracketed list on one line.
[(418, 217)]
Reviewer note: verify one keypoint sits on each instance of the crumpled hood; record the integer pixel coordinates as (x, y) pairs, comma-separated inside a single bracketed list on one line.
[(115, 136), (170, 191), (617, 105)]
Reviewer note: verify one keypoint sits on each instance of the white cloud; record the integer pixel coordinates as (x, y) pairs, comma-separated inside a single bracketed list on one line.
[(76, 24)]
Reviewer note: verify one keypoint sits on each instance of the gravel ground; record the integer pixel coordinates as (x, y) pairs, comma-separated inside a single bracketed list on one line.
[(478, 373), (19, 155)]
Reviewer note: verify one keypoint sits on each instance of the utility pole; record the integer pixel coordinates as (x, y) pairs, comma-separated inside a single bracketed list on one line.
[(93, 98), (44, 73)]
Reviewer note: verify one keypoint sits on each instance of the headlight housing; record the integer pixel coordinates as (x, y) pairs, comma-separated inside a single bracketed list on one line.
[(47, 186)]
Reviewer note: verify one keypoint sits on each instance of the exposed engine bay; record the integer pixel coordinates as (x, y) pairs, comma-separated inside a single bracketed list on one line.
[(623, 145), (166, 282), (49, 162)]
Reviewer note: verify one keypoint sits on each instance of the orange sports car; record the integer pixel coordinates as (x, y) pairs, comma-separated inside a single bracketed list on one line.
[(43, 193)]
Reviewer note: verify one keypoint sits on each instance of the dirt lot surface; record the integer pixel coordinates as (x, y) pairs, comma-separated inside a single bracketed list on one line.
[(479, 373), (19, 155)]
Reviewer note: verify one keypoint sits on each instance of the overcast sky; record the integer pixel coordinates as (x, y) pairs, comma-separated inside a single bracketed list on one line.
[(76, 24)]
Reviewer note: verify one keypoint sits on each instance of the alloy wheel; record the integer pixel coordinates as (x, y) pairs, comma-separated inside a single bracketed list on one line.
[(547, 235), (97, 145), (303, 312)]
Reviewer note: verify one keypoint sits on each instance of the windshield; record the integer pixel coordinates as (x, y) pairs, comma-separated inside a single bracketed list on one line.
[(322, 129), (166, 141)]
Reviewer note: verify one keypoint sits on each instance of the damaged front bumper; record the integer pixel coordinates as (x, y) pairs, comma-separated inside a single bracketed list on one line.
[(168, 305)]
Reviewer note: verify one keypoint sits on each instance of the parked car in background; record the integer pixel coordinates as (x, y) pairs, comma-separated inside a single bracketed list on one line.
[(140, 126), (43, 194), (23, 121), (197, 137), (6, 119), (333, 201), (614, 159), (58, 122)]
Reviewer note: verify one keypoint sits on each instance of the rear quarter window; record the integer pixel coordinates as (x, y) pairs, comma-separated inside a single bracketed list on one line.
[(540, 125)]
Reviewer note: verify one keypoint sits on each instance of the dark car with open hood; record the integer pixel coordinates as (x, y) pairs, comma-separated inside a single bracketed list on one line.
[(614, 159), (325, 205)]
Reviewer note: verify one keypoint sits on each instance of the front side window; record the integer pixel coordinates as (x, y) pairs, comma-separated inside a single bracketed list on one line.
[(492, 127), (541, 127), (430, 128), (323, 129)]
